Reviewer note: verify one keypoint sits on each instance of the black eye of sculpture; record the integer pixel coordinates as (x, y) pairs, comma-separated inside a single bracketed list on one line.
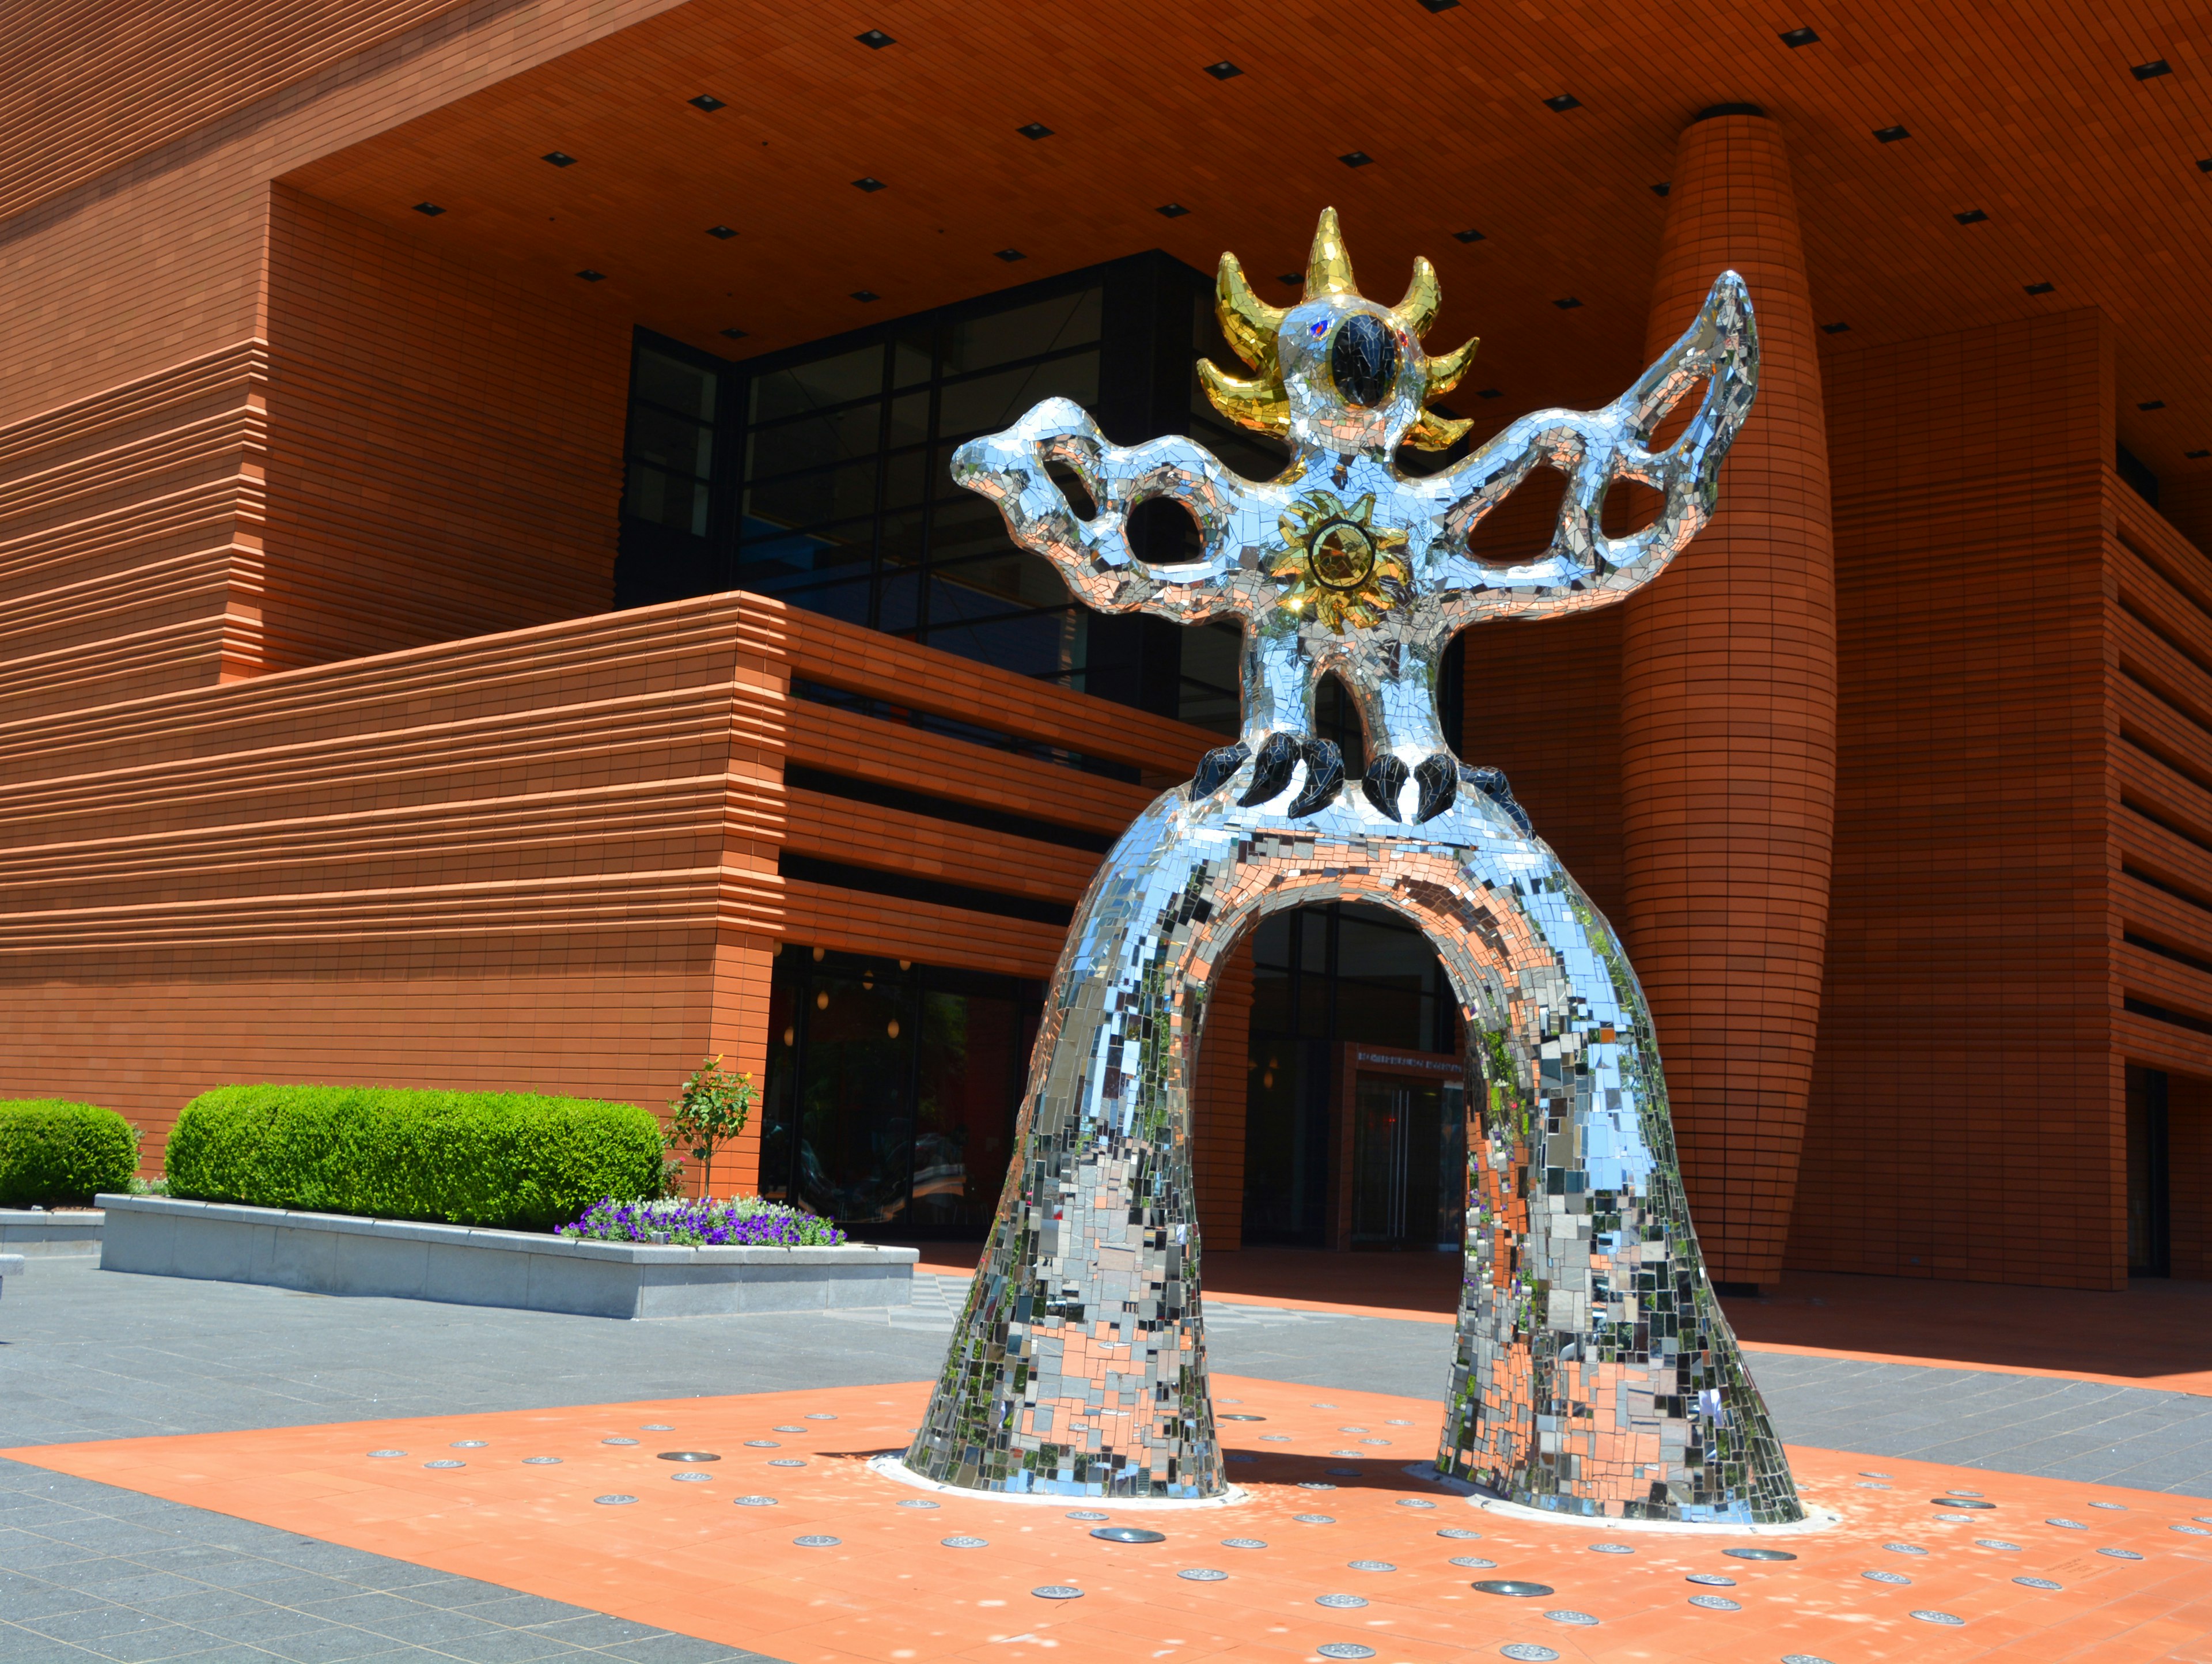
[(1362, 360)]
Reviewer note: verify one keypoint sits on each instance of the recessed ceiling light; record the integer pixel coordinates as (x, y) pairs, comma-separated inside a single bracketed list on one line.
[(1712, 110), (1440, 5), (1173, 210), (1891, 135), (1834, 328), (734, 334), (1355, 158), (1662, 188), (591, 277), (2205, 166), (1563, 103), (1225, 70), (705, 101), (430, 208), (868, 184), (1567, 305), (2152, 71), (874, 40), (2197, 456), (1490, 393), (1034, 130), (1972, 216), (1296, 280), (1798, 37), (721, 231), (2152, 405), (1469, 235), (560, 159), (1010, 255), (2041, 289), (866, 295)]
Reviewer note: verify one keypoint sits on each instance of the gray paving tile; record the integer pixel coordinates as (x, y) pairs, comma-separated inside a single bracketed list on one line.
[(521, 1611), (426, 1627), (675, 1649), (146, 1645), (511, 1647), (21, 1646), (596, 1630), (262, 1625)]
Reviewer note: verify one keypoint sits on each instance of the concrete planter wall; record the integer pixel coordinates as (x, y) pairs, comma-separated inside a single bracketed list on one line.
[(35, 1236), (340, 1254)]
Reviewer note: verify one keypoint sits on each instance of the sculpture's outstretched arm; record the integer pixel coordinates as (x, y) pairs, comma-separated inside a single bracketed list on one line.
[(1583, 567), (1094, 555)]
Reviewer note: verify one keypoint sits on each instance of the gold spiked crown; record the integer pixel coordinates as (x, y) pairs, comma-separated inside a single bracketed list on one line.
[(1252, 328)]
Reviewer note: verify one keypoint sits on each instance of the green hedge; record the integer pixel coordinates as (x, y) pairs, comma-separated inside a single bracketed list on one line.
[(54, 1153), (468, 1158)]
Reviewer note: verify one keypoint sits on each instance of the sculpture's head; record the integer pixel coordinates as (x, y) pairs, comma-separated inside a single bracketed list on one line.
[(1336, 372)]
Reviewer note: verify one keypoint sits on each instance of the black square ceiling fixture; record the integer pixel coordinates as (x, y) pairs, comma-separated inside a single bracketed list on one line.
[(1972, 216), (1469, 235), (591, 277), (1837, 328), (734, 334), (1010, 255), (2152, 71), (1224, 70), (1292, 278), (1439, 5), (1355, 159), (706, 101), (559, 158), (874, 40), (2152, 405), (864, 294), (1660, 190), (1794, 38), (2041, 289), (1563, 103), (1172, 211), (1891, 135), (721, 231), (1568, 304), (1034, 130), (869, 184), (2197, 456), (1490, 393), (429, 207)]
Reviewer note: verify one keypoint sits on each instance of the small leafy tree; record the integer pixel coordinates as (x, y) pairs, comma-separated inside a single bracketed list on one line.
[(710, 1110)]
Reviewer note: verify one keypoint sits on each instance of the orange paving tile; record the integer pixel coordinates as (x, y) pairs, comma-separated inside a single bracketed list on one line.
[(891, 1588), (2156, 1334)]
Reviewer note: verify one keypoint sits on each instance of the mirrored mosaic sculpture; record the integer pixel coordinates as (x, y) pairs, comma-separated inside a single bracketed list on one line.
[(1594, 1373)]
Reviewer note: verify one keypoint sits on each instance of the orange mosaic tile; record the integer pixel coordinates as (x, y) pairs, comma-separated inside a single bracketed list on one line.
[(2131, 1580)]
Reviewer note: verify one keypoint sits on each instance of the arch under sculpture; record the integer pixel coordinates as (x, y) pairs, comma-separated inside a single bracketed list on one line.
[(1593, 1372)]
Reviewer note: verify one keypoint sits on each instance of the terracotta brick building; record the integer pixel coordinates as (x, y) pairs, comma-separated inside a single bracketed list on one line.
[(481, 602)]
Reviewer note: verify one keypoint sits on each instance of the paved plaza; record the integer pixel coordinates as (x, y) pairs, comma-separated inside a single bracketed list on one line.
[(91, 1570)]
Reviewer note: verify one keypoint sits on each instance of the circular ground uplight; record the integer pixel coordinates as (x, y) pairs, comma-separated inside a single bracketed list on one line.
[(1344, 1649), (1885, 1577), (688, 1456), (2038, 1583), (1341, 1602), (613, 1501), (1959, 1501), (1415, 1502), (1087, 1514), (2116, 1508), (754, 1502), (1475, 1563), (1951, 1620), (1997, 1543), (916, 1502), (382, 1455), (1757, 1554), (812, 1541), (1314, 1519), (786, 1461), (1371, 1565), (763, 1444), (1715, 1603), (656, 1427), (466, 1444), (1316, 1484), (1904, 1548), (541, 1461), (1057, 1591), (1459, 1534), (618, 1441), (1527, 1652), (1242, 1542), (446, 1461), (1243, 1418), (692, 1479), (1127, 1534), (2119, 1553), (964, 1542), (1712, 1579), (1611, 1548), (2066, 1524), (1513, 1586), (1203, 1574), (1567, 1615), (820, 1415), (787, 1429)]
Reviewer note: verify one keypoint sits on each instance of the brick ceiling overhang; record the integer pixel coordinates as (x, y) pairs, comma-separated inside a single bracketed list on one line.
[(2088, 173)]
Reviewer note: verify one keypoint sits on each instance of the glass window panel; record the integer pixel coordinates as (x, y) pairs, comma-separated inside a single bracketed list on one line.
[(907, 480), (898, 601), (1046, 645), (1022, 332), (989, 403), (661, 499), (773, 559), (964, 1111), (910, 419), (995, 583), (911, 358), (966, 524), (814, 441), (856, 1133), (903, 539), (673, 442), (810, 387), (779, 1087), (807, 499), (671, 382)]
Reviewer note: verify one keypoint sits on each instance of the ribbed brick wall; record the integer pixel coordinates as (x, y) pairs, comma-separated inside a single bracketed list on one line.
[(1966, 1120), (542, 860), (1728, 727)]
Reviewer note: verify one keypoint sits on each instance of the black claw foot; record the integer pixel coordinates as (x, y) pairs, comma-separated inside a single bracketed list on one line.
[(1492, 783), (1438, 779), (1215, 768), (1324, 778), (1279, 755), (1385, 775)]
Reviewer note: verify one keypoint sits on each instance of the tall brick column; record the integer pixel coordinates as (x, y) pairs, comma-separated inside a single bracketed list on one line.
[(1728, 726)]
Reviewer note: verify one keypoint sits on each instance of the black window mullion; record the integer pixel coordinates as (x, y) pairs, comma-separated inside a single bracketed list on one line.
[(876, 575)]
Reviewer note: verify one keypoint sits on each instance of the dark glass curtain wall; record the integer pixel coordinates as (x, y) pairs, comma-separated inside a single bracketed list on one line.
[(891, 1090)]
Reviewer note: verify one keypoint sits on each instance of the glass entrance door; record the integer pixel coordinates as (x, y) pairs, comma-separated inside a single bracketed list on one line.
[(1408, 1164)]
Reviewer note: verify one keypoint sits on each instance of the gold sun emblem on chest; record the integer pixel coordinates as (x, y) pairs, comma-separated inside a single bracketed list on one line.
[(1337, 565)]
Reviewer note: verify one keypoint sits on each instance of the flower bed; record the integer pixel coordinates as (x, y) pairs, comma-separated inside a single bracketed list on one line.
[(746, 1222)]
